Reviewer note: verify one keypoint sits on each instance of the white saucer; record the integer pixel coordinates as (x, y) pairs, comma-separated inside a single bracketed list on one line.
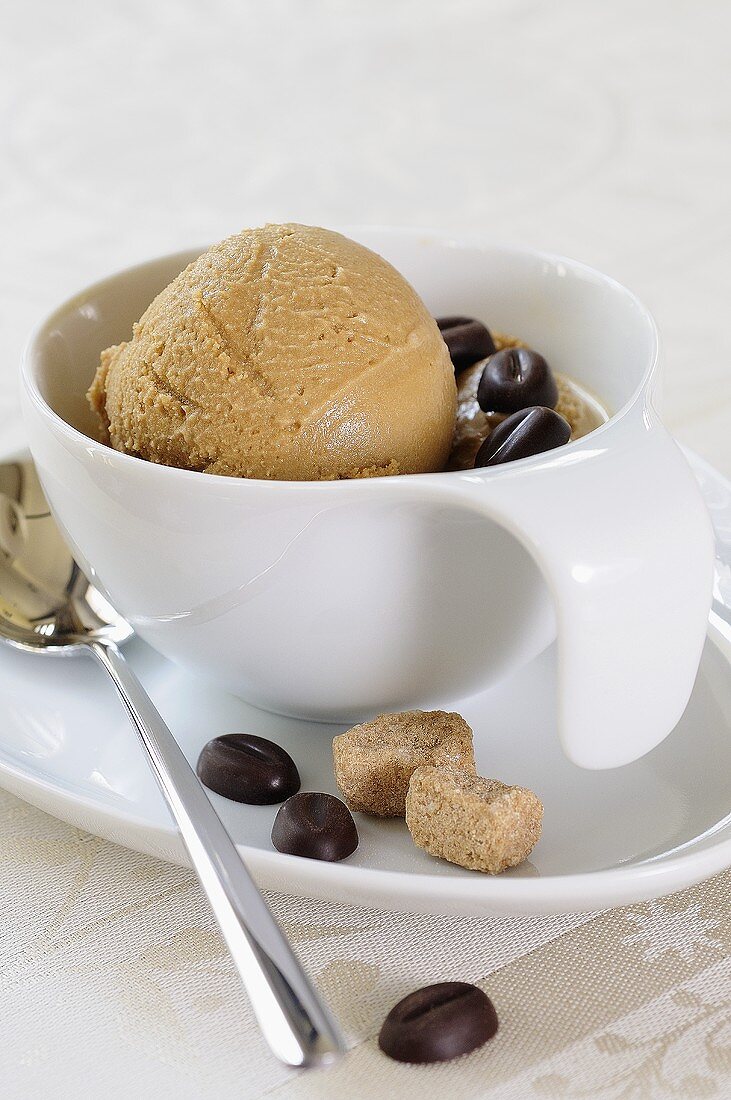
[(609, 837)]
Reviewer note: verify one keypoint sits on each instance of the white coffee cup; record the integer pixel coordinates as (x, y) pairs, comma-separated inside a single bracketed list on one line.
[(338, 600)]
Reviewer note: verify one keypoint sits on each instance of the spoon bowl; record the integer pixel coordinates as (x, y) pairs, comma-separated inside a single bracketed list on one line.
[(46, 603)]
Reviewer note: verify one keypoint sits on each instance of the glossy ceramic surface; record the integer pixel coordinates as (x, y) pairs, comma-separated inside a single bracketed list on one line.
[(609, 837), (333, 601)]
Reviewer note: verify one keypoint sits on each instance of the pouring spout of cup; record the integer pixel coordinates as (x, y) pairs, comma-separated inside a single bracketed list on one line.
[(625, 546)]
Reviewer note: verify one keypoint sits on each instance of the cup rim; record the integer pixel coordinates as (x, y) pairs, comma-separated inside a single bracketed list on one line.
[(431, 236)]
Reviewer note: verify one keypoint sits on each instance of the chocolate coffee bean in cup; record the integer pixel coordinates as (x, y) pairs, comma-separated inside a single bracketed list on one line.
[(514, 379), (467, 340), (525, 433)]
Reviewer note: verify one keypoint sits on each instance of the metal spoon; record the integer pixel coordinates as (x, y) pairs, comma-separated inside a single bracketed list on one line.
[(48, 606)]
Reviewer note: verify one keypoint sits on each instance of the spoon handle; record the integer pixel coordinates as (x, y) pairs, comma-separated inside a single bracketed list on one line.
[(293, 1020)]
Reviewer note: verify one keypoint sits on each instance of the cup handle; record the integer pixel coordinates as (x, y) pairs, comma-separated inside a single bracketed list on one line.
[(624, 542)]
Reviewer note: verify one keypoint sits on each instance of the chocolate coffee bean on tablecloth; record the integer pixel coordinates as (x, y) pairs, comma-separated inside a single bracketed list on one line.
[(437, 1023), (467, 340), (249, 769), (315, 825), (525, 433), (514, 379)]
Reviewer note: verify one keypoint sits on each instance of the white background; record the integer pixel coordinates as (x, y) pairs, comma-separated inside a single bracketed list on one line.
[(596, 128), (600, 130)]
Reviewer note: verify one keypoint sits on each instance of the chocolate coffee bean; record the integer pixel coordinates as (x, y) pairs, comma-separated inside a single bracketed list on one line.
[(514, 379), (248, 769), (437, 1023), (315, 825), (467, 340), (525, 433)]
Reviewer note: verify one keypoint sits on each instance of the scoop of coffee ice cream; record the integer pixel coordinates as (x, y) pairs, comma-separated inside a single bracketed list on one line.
[(286, 352)]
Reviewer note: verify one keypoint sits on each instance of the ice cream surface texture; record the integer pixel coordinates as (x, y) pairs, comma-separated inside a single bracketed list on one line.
[(286, 352)]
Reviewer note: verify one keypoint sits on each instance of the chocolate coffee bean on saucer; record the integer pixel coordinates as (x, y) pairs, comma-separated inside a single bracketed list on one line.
[(437, 1023), (467, 340), (315, 825), (525, 433), (514, 379), (248, 769)]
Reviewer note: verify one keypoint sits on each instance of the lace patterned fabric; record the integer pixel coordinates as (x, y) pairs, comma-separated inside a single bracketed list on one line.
[(114, 982)]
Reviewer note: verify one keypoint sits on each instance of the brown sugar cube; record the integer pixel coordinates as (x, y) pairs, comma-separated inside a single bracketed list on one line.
[(375, 761), (481, 824)]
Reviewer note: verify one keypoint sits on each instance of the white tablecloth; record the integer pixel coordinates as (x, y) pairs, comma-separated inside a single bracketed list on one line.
[(598, 130), (116, 984)]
